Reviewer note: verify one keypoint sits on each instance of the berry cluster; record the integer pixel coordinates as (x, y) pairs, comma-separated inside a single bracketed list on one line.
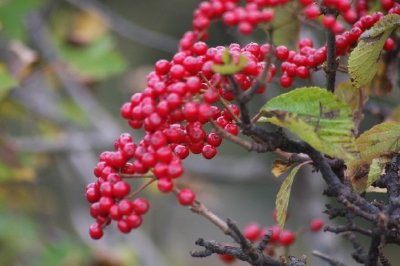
[(109, 195), (185, 95)]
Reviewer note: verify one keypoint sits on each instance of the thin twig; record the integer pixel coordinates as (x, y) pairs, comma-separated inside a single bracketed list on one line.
[(327, 258)]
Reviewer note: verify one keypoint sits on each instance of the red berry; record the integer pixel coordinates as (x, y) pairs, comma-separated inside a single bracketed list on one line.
[(285, 80), (95, 231), (275, 233), (174, 170), (165, 185), (121, 189), (140, 206), (182, 151), (232, 129), (124, 207), (92, 195), (209, 151), (123, 226), (328, 21), (228, 259), (389, 45), (245, 28), (302, 72), (287, 238), (105, 204), (177, 71), (316, 225), (252, 231), (134, 221), (114, 213), (312, 11), (186, 197), (214, 139), (282, 52), (162, 67)]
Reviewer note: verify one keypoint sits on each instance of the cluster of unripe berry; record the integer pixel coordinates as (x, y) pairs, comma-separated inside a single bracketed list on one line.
[(185, 94), (279, 238)]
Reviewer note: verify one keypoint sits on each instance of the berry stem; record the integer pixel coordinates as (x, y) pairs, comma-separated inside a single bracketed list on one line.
[(142, 187), (136, 176), (244, 143), (221, 99)]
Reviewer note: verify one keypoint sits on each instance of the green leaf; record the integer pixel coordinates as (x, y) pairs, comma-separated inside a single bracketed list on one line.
[(376, 169), (98, 60), (351, 95), (317, 117), (382, 139), (230, 66), (363, 59), (7, 82), (12, 16), (282, 198)]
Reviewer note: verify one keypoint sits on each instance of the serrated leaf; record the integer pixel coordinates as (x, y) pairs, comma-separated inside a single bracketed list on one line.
[(351, 95), (382, 139), (279, 167), (230, 66), (355, 98), (376, 169), (317, 117), (97, 61), (363, 59), (381, 84), (374, 145), (282, 198)]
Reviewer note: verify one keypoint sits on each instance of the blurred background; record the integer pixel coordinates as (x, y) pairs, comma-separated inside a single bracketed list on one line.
[(66, 67)]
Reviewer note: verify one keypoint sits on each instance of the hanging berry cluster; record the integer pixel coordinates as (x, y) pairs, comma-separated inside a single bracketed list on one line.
[(185, 94)]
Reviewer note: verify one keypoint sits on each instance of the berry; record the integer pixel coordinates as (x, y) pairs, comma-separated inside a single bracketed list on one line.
[(165, 185), (186, 197), (162, 67), (285, 80), (282, 52), (287, 238), (252, 231), (316, 225), (275, 233), (121, 189), (389, 45), (95, 231), (134, 221), (124, 227), (228, 259), (140, 206)]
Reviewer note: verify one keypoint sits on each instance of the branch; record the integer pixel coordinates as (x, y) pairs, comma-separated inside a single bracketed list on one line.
[(331, 57), (246, 252), (328, 259)]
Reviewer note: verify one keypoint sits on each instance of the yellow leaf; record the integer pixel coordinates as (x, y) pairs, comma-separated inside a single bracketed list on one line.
[(279, 167), (87, 26), (282, 198)]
